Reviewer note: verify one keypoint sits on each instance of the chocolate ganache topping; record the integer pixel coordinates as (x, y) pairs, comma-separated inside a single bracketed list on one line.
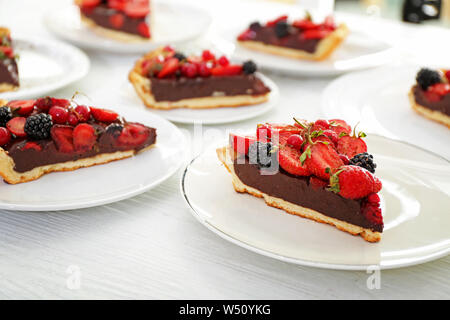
[(8, 72), (442, 105)]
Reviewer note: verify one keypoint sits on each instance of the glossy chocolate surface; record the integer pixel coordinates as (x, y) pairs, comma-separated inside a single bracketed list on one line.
[(297, 190), (442, 105), (8, 72), (175, 89)]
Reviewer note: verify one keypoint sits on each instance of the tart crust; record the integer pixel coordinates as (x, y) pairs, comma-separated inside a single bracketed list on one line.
[(428, 113), (142, 85), (226, 156), (7, 87), (324, 49)]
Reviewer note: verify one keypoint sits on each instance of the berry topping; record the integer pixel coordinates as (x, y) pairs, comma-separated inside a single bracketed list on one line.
[(295, 141), (32, 146), (261, 153), (117, 20), (351, 146), (72, 119), (169, 67), (59, 114), (344, 159), (44, 104), (321, 124), (5, 115), (354, 182), (436, 91), (372, 212), (144, 30), (133, 135), (223, 61), (189, 70), (203, 70), (208, 55), (333, 136), (305, 24), (373, 198), (249, 67), (340, 126), (274, 22), (84, 137), (427, 77), (136, 9), (104, 115), (90, 3), (83, 113), (38, 126), (17, 126), (63, 138), (22, 107), (447, 75), (247, 35), (364, 160), (241, 144), (5, 136), (281, 29), (255, 26), (314, 34), (230, 70), (320, 158), (114, 129), (288, 158)]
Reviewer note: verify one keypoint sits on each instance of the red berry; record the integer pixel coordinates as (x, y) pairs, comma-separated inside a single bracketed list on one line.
[(60, 102), (344, 159), (72, 119), (295, 141), (241, 143), (223, 61), (440, 88), (189, 70), (168, 49), (144, 30), (247, 35), (321, 124), (84, 137), (170, 66), (305, 24), (117, 20), (133, 135), (351, 146), (8, 51), (83, 113), (330, 134), (203, 70), (447, 75), (89, 3), (5, 136), (22, 107), (353, 182), (104, 115), (63, 138), (44, 104), (274, 22), (208, 55), (136, 9), (17, 126), (289, 160), (320, 157), (229, 70), (340, 126), (372, 212), (314, 34), (59, 115), (32, 145), (373, 198)]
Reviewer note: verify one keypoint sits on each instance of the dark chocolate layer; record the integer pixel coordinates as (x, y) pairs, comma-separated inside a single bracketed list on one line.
[(175, 89), (29, 159), (101, 16), (297, 190), (8, 72), (442, 105)]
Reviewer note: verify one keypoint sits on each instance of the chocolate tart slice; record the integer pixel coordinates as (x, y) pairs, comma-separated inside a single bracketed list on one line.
[(166, 79), (47, 135), (301, 39), (9, 74), (347, 200), (430, 96), (125, 20)]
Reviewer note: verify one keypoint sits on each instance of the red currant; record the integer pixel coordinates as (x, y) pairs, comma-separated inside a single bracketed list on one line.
[(223, 61), (72, 119), (203, 70), (189, 70), (83, 112), (295, 141), (59, 114), (208, 55)]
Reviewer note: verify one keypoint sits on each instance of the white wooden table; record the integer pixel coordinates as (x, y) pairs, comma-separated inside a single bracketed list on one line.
[(150, 246)]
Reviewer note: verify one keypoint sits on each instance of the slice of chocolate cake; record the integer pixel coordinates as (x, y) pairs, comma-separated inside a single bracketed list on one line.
[(9, 74)]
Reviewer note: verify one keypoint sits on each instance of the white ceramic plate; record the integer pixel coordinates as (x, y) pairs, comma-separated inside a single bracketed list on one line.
[(358, 51), (415, 202), (173, 24), (46, 65), (104, 183), (214, 115), (379, 100)]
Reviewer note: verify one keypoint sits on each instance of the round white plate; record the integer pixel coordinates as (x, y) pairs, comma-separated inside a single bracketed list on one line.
[(415, 202), (215, 115), (358, 51), (378, 99), (172, 24), (104, 183), (46, 65)]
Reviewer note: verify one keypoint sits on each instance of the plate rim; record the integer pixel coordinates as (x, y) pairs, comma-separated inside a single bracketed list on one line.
[(95, 203), (308, 263)]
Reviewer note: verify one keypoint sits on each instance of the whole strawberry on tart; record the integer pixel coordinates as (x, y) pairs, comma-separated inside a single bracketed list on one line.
[(49, 134), (318, 170), (125, 20), (430, 96), (299, 39), (167, 79), (9, 74)]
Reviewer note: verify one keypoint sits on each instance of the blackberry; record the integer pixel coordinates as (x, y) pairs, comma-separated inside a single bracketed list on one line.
[(261, 153), (38, 126), (281, 29), (255, 26), (5, 115), (249, 67), (179, 56), (427, 77), (114, 129), (364, 160)]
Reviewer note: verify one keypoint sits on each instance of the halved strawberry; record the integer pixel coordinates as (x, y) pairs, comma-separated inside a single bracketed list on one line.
[(247, 35), (440, 88), (229, 70), (275, 21), (240, 144), (289, 160), (133, 135), (63, 137), (84, 137), (144, 29), (305, 24), (314, 34), (340, 126), (17, 126), (32, 145), (7, 51), (351, 146), (319, 157), (90, 3), (116, 4), (22, 107), (104, 115), (265, 131), (170, 66), (137, 9), (117, 20)]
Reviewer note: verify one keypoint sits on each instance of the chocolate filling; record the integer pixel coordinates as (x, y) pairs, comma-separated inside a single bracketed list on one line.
[(29, 159), (175, 89), (297, 190), (442, 105), (8, 72), (293, 40), (101, 16)]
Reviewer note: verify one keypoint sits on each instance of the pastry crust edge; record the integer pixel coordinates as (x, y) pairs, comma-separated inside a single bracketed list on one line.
[(325, 48), (226, 154), (4, 87), (434, 115)]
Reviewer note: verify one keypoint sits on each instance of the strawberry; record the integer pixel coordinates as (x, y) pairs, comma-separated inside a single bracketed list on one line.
[(329, 23), (330, 134), (136, 9), (241, 143), (90, 3), (314, 34), (22, 107), (32, 145), (5, 136), (17, 126), (230, 70), (62, 137), (351, 146), (133, 135), (319, 157), (115, 4), (72, 119), (144, 29), (440, 89), (203, 70), (432, 96), (247, 35), (117, 20), (320, 124), (272, 23), (7, 51), (169, 67), (60, 102), (104, 115), (279, 131), (305, 24), (317, 183), (340, 126), (447, 75), (44, 104), (353, 182), (289, 160), (84, 137)]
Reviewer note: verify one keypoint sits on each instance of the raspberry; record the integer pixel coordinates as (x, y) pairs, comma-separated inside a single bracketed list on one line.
[(38, 126)]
